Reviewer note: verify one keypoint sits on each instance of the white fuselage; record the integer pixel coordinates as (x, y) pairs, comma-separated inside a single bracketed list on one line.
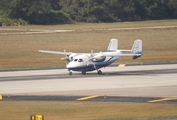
[(84, 63)]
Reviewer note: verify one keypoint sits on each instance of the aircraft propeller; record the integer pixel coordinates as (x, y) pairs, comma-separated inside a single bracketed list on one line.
[(67, 57), (91, 59)]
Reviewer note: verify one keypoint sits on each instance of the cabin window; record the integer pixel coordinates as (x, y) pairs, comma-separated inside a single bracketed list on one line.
[(80, 60)]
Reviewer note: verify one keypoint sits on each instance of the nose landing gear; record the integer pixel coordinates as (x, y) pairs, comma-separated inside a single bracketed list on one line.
[(70, 73)]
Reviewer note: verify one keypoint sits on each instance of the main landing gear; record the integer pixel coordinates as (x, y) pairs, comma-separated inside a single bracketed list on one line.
[(99, 72), (84, 72)]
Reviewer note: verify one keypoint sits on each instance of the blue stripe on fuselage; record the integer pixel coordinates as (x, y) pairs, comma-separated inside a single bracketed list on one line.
[(91, 67)]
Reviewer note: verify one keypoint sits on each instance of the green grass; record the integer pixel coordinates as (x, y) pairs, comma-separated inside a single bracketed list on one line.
[(20, 50), (57, 110)]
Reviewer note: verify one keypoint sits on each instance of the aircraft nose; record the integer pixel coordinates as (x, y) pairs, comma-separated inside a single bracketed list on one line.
[(69, 65)]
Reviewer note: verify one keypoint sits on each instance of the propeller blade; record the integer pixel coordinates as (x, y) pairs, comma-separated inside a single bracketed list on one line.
[(88, 63), (64, 50), (91, 52), (90, 59), (63, 58), (67, 57), (94, 65)]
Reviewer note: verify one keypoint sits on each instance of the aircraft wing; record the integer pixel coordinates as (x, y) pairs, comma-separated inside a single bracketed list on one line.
[(55, 52)]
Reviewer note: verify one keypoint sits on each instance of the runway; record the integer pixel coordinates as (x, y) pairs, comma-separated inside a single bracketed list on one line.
[(154, 81)]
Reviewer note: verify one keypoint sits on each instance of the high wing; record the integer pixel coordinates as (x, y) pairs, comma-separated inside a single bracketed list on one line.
[(55, 52), (68, 55)]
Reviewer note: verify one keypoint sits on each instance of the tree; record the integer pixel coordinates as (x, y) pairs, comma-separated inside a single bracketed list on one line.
[(65, 11), (173, 9)]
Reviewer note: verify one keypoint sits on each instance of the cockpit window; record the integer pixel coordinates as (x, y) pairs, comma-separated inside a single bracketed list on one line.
[(80, 60), (75, 60)]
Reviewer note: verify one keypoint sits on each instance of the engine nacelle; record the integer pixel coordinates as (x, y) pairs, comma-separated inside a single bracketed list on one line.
[(98, 58), (71, 56)]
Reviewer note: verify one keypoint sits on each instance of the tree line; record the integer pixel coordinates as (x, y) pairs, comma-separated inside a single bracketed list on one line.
[(68, 11)]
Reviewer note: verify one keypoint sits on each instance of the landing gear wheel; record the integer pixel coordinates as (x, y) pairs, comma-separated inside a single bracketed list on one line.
[(99, 72), (83, 72), (70, 73)]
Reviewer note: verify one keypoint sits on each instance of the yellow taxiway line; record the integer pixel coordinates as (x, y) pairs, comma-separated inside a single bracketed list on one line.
[(163, 99), (121, 65), (88, 97), (0, 97)]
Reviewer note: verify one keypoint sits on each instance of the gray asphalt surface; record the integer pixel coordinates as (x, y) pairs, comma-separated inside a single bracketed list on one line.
[(127, 84), (97, 99), (89, 75)]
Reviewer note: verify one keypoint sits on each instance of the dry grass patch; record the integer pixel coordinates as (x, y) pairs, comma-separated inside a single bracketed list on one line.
[(21, 51), (55, 110)]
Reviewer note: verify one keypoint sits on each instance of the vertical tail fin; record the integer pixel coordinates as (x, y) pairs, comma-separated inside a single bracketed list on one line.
[(113, 45), (137, 48)]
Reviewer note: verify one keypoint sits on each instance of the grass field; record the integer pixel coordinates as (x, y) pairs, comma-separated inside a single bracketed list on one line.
[(55, 110), (21, 50)]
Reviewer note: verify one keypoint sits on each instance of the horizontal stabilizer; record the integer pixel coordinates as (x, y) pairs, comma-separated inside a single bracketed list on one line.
[(117, 54)]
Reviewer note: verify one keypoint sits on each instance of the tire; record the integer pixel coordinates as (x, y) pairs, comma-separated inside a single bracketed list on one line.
[(99, 72), (70, 73), (83, 72)]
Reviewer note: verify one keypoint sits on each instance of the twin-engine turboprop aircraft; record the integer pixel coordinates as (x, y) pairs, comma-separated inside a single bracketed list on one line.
[(94, 61)]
